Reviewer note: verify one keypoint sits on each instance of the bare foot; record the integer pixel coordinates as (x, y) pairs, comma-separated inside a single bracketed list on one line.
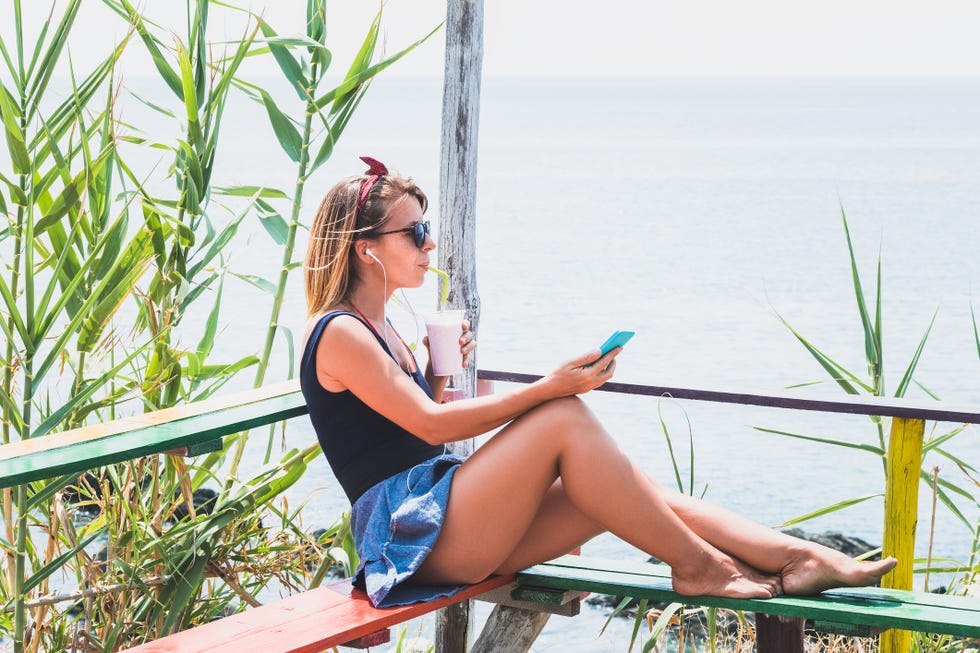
[(722, 575), (817, 568)]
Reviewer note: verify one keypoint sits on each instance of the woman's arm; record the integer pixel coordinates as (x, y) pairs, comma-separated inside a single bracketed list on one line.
[(349, 355)]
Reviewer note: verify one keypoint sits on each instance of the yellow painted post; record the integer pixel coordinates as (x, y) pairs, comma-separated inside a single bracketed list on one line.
[(904, 460)]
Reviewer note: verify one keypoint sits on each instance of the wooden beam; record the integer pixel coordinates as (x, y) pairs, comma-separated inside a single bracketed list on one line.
[(457, 212), (848, 404)]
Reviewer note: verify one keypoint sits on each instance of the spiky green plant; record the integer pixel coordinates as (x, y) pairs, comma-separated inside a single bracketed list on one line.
[(852, 383), (86, 238), (308, 140)]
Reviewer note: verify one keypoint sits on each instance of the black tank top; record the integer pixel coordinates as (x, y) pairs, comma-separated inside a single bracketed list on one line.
[(362, 446)]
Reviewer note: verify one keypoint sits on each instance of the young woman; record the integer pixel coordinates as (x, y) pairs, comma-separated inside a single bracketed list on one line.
[(426, 522)]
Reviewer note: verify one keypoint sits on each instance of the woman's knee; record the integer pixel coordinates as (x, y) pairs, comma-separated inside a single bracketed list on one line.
[(563, 421), (564, 411)]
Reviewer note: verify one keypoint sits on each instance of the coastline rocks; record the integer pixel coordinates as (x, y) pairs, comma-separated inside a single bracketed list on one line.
[(204, 500), (851, 546)]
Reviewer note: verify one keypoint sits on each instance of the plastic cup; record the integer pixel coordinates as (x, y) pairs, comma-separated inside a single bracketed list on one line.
[(444, 329)]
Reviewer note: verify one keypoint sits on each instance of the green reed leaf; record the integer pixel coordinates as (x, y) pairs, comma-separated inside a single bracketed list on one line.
[(316, 28), (670, 449), (907, 377), (16, 144), (114, 289), (946, 500), (662, 622), (69, 199), (43, 491), (878, 451), (56, 564), (16, 194), (287, 63), (300, 41), (640, 614), (262, 192), (872, 343), (358, 75), (151, 104), (962, 464), (63, 118), (257, 281), (847, 503), (66, 267), (179, 594), (926, 476), (170, 77), (286, 133), (932, 443), (287, 334), (216, 99), (206, 342), (50, 61), (13, 315), (219, 243), (362, 60), (188, 82), (836, 371), (334, 131), (976, 332), (11, 68), (272, 222), (222, 370)]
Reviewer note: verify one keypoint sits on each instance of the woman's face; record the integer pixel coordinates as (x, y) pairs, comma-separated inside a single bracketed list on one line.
[(405, 263)]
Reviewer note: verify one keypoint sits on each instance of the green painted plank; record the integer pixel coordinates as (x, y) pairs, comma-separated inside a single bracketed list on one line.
[(642, 568), (148, 440), (961, 617)]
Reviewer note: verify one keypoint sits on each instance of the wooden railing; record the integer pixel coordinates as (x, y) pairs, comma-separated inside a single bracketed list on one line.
[(902, 466), (199, 427)]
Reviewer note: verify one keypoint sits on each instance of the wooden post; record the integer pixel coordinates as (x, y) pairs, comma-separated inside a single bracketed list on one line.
[(457, 220), (457, 179), (510, 630), (904, 461), (777, 634)]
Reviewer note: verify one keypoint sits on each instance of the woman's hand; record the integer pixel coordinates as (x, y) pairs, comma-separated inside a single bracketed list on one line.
[(467, 343), (583, 374)]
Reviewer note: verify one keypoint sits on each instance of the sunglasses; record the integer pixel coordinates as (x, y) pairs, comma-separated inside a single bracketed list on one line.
[(419, 230)]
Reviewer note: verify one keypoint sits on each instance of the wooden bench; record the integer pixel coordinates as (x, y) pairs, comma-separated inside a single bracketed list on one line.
[(197, 428), (779, 621), (308, 622)]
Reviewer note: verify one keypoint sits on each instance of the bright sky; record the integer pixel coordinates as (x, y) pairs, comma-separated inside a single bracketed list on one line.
[(630, 37)]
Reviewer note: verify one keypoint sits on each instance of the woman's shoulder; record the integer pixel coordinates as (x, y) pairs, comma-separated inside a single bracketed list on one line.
[(317, 322)]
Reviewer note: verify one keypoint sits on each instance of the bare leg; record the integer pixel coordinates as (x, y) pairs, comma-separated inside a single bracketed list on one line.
[(805, 567), (498, 494)]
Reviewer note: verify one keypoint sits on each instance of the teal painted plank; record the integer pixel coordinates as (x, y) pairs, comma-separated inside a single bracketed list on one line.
[(959, 616), (149, 440), (641, 568)]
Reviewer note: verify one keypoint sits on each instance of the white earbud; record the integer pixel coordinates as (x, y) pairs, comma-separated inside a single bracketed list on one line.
[(371, 254)]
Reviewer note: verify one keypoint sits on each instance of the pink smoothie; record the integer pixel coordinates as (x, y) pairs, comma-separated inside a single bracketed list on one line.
[(444, 330)]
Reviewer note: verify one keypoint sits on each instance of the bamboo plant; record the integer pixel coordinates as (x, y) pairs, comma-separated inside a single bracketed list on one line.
[(88, 238)]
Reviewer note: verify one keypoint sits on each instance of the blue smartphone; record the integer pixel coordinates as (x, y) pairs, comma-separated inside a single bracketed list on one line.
[(617, 339)]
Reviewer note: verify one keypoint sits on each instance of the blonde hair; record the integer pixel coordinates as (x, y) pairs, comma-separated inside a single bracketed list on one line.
[(329, 270)]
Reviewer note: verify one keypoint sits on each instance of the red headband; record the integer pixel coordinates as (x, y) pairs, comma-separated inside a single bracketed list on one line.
[(377, 170)]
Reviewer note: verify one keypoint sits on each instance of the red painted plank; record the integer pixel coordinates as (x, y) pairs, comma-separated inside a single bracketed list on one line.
[(308, 622)]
